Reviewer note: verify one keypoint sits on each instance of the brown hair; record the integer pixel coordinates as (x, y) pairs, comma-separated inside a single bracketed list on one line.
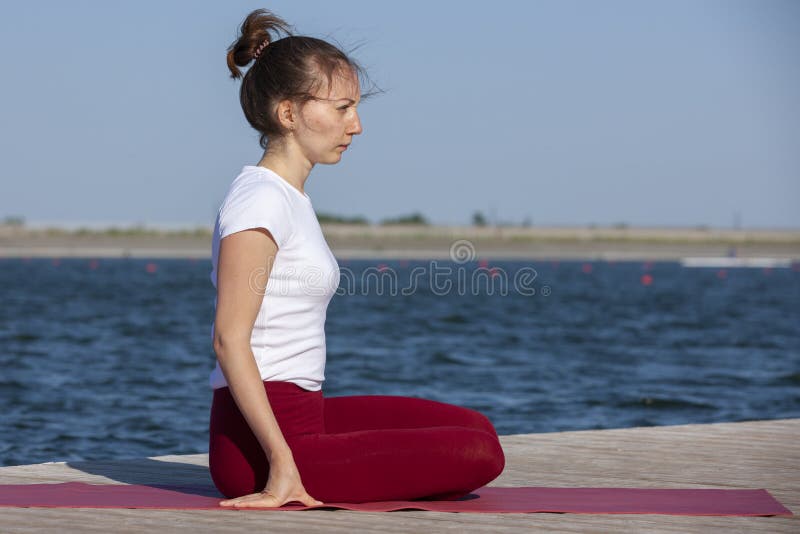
[(287, 68)]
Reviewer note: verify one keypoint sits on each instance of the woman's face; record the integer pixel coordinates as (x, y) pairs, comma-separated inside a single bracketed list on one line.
[(325, 125)]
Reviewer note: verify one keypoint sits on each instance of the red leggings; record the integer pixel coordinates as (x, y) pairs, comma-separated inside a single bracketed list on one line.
[(358, 448)]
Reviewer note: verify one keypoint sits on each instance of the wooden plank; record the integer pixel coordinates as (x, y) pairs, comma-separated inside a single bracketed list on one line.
[(752, 454)]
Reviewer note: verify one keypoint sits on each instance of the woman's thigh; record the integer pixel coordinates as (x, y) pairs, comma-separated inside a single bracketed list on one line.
[(374, 412), (442, 462), (236, 460)]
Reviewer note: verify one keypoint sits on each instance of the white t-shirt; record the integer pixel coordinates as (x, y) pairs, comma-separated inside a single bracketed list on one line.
[(288, 338)]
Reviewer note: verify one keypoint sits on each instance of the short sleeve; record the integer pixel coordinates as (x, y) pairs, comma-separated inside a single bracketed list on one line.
[(257, 205)]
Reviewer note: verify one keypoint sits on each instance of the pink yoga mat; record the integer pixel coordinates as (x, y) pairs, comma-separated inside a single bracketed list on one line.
[(484, 500)]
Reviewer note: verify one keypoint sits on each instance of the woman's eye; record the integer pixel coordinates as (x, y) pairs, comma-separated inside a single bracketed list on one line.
[(343, 108)]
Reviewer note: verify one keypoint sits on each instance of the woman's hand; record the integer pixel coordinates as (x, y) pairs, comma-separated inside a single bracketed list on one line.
[(283, 486)]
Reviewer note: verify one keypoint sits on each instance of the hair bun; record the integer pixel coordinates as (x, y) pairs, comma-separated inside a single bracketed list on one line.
[(255, 34)]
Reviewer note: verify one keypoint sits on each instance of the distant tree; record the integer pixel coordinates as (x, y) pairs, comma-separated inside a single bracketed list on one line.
[(328, 218), (14, 220), (414, 218), (526, 222), (478, 219)]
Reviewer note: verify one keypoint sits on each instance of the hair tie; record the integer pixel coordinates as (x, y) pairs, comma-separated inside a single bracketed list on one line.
[(260, 49)]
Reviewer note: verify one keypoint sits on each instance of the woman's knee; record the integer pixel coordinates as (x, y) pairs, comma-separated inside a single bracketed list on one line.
[(497, 461), (477, 460), (489, 456)]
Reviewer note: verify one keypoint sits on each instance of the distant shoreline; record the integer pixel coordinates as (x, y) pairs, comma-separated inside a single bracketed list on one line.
[(426, 242)]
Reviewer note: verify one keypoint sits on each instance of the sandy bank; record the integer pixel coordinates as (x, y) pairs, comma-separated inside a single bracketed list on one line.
[(431, 242)]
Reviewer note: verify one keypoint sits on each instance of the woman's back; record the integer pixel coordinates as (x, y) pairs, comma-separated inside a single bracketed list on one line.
[(288, 338)]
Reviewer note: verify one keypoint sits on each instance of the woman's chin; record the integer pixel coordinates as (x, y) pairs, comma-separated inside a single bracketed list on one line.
[(333, 158)]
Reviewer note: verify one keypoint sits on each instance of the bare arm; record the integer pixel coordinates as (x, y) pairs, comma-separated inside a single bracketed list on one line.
[(245, 261)]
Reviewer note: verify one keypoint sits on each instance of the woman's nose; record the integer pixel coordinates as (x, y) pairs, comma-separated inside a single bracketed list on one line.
[(355, 126)]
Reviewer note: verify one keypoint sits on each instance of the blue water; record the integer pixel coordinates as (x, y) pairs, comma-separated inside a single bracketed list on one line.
[(111, 359)]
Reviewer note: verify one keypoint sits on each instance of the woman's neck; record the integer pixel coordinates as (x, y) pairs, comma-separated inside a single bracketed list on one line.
[(288, 161)]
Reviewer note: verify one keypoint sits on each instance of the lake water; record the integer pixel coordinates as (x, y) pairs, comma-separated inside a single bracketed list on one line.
[(110, 358)]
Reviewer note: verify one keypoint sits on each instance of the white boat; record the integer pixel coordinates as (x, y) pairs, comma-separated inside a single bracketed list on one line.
[(735, 261)]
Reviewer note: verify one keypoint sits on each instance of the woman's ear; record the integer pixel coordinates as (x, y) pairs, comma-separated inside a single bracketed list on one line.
[(286, 114)]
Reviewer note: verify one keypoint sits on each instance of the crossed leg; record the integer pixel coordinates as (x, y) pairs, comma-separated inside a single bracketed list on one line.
[(380, 447), (372, 448)]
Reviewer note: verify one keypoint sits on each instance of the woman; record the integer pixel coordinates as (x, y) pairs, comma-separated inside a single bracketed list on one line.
[(274, 438)]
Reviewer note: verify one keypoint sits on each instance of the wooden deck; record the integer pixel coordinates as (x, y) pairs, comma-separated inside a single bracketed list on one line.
[(757, 454)]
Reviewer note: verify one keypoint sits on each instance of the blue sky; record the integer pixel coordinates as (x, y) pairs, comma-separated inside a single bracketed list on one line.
[(671, 113)]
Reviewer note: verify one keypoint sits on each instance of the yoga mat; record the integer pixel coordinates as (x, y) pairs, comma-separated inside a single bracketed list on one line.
[(740, 502)]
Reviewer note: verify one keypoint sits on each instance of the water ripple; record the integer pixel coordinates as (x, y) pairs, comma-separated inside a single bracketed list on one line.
[(113, 362)]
